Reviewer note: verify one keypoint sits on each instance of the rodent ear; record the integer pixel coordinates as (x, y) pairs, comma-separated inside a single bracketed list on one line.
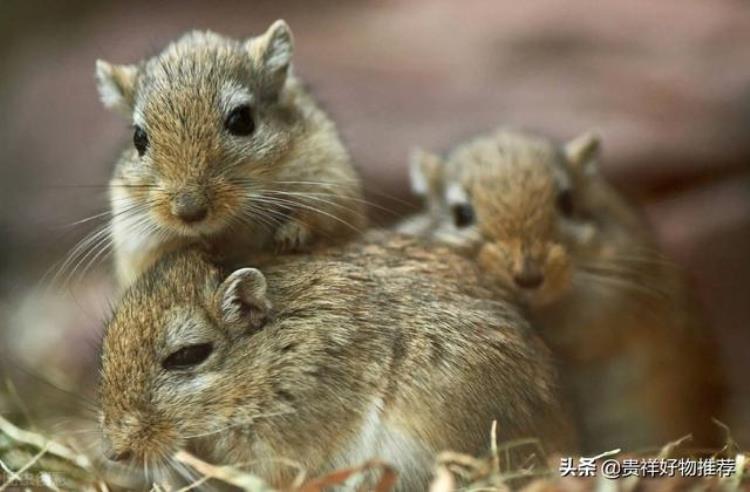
[(116, 84), (582, 152), (273, 51), (242, 299), (425, 172)]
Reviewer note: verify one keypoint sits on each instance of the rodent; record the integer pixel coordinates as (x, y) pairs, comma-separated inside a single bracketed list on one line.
[(327, 360), (229, 151), (541, 219)]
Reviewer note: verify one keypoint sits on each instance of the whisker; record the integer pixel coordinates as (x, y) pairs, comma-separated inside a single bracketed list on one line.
[(75, 252), (604, 277), (316, 196), (346, 183), (276, 217), (247, 422), (91, 251), (83, 249), (292, 204), (87, 219), (101, 186)]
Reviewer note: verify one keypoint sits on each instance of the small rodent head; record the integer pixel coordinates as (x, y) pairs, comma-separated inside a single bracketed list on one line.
[(512, 200), (211, 118), (171, 354)]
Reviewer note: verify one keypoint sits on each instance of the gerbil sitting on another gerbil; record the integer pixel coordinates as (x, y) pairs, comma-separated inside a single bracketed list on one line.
[(542, 220), (228, 151), (327, 360)]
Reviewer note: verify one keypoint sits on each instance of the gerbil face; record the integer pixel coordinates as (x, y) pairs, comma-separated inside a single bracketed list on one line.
[(511, 200), (181, 361), (210, 123)]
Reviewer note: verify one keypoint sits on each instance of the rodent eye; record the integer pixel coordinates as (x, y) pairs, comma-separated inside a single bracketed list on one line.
[(140, 140), (463, 214), (565, 203), (240, 121), (188, 356)]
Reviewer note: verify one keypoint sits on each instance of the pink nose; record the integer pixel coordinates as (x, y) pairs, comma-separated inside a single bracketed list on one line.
[(189, 207), (528, 281), (530, 276)]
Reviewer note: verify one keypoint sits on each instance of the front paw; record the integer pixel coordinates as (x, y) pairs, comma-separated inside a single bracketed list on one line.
[(292, 236)]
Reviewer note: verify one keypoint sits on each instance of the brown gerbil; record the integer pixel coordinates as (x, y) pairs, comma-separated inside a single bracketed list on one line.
[(229, 151), (541, 219), (385, 348)]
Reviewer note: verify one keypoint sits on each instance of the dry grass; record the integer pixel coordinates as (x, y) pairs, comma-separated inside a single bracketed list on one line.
[(35, 460), (31, 459)]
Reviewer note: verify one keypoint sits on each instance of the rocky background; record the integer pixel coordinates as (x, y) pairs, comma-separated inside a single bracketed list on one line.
[(666, 83)]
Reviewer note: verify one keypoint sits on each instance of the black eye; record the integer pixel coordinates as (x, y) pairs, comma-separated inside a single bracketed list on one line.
[(463, 215), (140, 140), (240, 121), (565, 203), (188, 356)]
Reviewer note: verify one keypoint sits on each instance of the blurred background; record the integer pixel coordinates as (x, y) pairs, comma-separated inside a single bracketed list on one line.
[(666, 83)]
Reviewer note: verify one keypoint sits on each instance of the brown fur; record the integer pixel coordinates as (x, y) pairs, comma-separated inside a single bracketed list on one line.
[(614, 311), (288, 185), (371, 349)]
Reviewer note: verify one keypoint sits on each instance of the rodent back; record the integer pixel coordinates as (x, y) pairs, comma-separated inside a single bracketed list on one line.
[(332, 337)]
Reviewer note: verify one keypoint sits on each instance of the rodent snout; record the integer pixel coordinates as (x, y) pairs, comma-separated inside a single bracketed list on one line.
[(541, 271), (190, 207), (137, 442), (116, 453), (529, 276)]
